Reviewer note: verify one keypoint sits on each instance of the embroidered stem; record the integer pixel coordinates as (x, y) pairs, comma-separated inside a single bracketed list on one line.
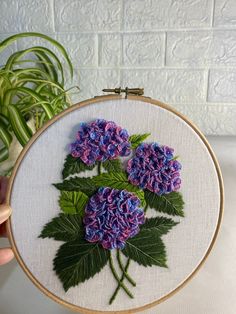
[(145, 208), (99, 168), (120, 283), (124, 271)]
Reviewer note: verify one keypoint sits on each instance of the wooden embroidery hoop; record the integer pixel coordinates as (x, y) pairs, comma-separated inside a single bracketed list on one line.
[(34, 138)]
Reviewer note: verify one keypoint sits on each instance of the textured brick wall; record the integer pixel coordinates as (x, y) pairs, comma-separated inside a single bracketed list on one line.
[(182, 52)]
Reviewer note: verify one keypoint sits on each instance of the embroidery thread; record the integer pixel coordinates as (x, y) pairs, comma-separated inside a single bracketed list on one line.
[(103, 219)]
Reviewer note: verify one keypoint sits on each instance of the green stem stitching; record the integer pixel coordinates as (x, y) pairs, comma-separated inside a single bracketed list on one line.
[(120, 283), (99, 168), (124, 271), (145, 208)]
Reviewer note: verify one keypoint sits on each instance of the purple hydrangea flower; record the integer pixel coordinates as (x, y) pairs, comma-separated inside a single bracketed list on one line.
[(112, 216), (154, 168), (100, 140)]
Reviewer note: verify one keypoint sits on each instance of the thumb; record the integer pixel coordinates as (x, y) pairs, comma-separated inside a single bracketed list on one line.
[(5, 212)]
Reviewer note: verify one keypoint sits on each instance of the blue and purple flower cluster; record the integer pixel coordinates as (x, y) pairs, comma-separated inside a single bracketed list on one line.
[(112, 216), (154, 168), (100, 140)]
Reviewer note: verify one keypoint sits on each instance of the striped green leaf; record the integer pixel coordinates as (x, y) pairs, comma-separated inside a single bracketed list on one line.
[(48, 110), (25, 90), (19, 54), (4, 154), (5, 136), (4, 121), (6, 139), (5, 43), (47, 65), (22, 131)]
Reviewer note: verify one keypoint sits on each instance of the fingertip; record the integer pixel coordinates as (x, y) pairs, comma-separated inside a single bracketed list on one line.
[(5, 212), (6, 255)]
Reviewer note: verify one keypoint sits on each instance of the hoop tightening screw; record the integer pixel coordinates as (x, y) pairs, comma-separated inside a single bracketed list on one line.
[(127, 91)]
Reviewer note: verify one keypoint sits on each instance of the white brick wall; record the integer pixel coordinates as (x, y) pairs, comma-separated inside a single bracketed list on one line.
[(182, 52)]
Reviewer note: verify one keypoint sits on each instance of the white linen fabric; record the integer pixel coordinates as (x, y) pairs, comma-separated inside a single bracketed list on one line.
[(35, 202)]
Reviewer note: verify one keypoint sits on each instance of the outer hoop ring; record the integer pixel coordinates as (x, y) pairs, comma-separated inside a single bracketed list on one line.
[(34, 138)]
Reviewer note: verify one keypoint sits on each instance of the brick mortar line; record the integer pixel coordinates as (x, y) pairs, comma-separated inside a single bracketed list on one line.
[(53, 16), (129, 32), (213, 13), (207, 85), (122, 15), (147, 68), (165, 49), (97, 46), (170, 29)]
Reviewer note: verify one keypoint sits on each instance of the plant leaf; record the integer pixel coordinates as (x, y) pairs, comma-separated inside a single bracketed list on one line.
[(72, 202), (159, 225), (15, 57), (85, 185), (47, 65), (19, 126), (46, 106), (146, 248), (63, 228), (6, 139), (113, 165), (4, 121), (5, 43), (137, 139), (5, 136), (78, 261), (74, 165), (171, 204), (118, 180), (4, 154)]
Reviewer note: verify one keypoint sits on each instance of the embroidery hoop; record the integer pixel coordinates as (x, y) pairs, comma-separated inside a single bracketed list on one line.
[(100, 99)]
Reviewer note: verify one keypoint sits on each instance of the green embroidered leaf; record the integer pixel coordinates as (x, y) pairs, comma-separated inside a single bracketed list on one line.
[(113, 165), (175, 157), (85, 185), (74, 165), (141, 196), (137, 139), (146, 248), (78, 261), (159, 225), (118, 180), (73, 202), (63, 228), (171, 204)]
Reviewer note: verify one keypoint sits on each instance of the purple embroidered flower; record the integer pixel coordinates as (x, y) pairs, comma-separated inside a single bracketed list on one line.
[(112, 216), (100, 140), (154, 168)]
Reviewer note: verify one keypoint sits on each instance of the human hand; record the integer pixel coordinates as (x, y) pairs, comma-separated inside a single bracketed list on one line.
[(6, 254)]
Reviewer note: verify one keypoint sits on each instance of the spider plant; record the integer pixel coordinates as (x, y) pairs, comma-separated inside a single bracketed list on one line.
[(32, 90)]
